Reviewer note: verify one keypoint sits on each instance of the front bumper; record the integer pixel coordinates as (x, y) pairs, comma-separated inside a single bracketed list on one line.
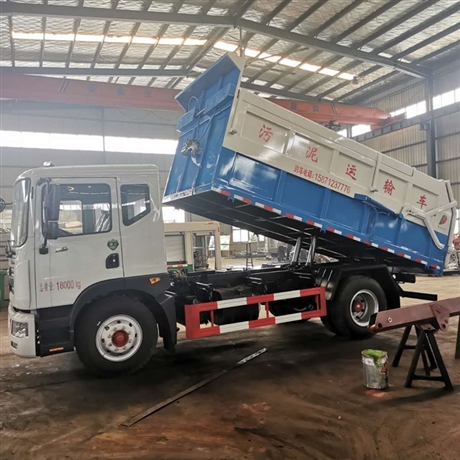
[(25, 347)]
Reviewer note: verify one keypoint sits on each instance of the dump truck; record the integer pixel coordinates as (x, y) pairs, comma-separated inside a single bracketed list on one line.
[(87, 265)]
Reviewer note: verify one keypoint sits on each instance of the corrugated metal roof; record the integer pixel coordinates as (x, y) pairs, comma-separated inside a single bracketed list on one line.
[(116, 49)]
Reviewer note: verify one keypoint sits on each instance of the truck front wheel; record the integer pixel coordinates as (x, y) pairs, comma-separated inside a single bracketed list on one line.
[(115, 335), (356, 300)]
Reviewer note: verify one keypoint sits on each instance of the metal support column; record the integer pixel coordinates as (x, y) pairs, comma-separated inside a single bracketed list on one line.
[(457, 345), (297, 249), (349, 132), (311, 252), (430, 130), (218, 255)]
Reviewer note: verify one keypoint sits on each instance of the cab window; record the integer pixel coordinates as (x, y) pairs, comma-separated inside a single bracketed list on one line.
[(135, 202), (85, 209)]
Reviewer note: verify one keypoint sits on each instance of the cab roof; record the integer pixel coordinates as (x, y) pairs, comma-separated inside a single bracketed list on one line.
[(91, 171)]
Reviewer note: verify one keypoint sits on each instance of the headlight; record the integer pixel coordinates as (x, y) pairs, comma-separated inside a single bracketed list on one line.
[(19, 329)]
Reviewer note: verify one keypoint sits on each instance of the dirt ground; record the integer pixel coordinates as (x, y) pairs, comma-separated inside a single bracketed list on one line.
[(303, 399)]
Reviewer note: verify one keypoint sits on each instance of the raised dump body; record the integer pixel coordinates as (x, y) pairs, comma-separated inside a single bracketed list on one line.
[(247, 162)]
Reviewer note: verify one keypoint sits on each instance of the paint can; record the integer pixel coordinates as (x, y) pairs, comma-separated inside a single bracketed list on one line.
[(375, 369)]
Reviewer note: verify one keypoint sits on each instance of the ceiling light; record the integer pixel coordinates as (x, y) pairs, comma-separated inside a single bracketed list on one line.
[(226, 46), (251, 53), (310, 67), (272, 58), (290, 62), (27, 36), (89, 38), (60, 37), (260, 82), (194, 42), (144, 40), (346, 76), (171, 41), (330, 72), (117, 39)]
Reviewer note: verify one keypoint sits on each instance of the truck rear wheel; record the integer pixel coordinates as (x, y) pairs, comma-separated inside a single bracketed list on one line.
[(357, 299), (115, 335)]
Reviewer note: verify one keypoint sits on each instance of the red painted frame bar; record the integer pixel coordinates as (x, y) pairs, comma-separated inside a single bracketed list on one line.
[(192, 312)]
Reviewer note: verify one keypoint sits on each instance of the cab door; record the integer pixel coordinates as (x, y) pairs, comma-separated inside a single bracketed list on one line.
[(88, 248), (142, 229)]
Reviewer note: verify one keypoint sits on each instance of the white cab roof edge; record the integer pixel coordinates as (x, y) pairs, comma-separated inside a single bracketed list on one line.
[(92, 171)]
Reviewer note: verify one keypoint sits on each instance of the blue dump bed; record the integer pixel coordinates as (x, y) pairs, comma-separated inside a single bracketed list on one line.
[(247, 162)]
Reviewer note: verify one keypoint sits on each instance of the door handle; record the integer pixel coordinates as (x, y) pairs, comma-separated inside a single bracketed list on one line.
[(63, 249), (112, 261)]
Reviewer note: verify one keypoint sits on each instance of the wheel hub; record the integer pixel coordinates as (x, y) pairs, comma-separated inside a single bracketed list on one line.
[(363, 305), (118, 338)]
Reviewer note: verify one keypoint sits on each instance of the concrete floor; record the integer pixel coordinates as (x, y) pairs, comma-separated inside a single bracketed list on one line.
[(303, 399)]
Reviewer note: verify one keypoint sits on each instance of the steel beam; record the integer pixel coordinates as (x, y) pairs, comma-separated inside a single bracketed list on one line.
[(408, 122), (277, 92), (215, 36), (363, 87), (295, 48), (422, 6), (10, 27), (193, 19), (104, 33), (163, 29), (33, 88), (452, 57), (443, 15), (388, 76), (76, 25), (375, 14), (189, 31), (134, 31), (91, 72), (323, 45), (266, 20), (430, 127), (387, 45), (292, 25), (420, 45), (110, 14)]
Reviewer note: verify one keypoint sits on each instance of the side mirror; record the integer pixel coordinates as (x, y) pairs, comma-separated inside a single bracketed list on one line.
[(52, 203), (2, 205), (51, 211), (51, 230)]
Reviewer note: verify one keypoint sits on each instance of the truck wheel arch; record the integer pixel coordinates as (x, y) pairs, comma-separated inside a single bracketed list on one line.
[(111, 288), (380, 274)]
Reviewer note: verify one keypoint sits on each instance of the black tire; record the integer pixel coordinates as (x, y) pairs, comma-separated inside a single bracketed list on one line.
[(88, 325), (327, 320), (340, 309)]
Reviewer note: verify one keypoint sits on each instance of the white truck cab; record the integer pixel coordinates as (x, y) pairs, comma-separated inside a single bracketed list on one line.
[(89, 236)]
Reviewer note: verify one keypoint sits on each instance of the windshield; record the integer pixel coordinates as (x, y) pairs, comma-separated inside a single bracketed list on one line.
[(20, 212)]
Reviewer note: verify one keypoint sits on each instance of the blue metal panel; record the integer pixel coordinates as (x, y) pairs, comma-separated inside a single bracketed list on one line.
[(207, 102), (213, 171)]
